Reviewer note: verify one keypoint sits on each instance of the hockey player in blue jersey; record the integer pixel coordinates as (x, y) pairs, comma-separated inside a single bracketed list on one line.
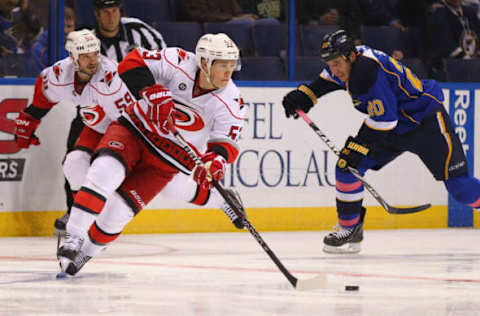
[(405, 114)]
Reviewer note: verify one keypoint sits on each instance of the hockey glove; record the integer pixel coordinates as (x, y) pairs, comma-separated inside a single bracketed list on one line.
[(25, 128), (160, 106), (352, 154), (213, 168), (302, 98)]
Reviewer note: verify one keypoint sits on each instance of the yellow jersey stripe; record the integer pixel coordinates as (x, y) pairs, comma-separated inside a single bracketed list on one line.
[(443, 129), (409, 117), (396, 75)]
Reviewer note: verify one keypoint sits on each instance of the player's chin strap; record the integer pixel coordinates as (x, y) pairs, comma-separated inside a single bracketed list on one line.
[(390, 209), (310, 284)]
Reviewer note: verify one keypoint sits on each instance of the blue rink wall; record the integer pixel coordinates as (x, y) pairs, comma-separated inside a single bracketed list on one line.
[(460, 99)]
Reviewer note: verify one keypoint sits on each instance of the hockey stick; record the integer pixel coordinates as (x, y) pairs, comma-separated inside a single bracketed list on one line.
[(390, 209), (310, 284)]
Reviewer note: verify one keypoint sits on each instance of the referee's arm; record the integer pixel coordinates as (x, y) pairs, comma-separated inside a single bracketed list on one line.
[(144, 34), (157, 37)]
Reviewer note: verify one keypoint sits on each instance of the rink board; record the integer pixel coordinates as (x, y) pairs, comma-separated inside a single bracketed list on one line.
[(285, 174), (213, 220)]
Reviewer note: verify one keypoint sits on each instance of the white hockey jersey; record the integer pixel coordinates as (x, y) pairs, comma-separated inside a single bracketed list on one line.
[(206, 119), (101, 101)]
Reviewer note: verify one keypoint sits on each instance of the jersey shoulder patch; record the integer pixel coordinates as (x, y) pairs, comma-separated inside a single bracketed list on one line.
[(176, 55), (232, 100), (61, 72), (107, 79), (363, 75), (182, 55)]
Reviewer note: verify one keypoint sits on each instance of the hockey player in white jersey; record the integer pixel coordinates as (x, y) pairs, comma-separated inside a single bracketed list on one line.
[(87, 79), (138, 156)]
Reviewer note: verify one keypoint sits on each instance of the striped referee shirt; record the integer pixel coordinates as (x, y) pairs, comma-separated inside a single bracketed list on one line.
[(133, 33)]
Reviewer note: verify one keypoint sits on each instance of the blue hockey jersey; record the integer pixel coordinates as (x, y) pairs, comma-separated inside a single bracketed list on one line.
[(397, 101)]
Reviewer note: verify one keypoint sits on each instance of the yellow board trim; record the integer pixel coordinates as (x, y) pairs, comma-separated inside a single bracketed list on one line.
[(213, 220)]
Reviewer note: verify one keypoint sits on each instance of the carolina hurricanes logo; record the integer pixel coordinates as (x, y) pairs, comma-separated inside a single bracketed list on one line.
[(181, 55), (57, 71), (187, 118), (241, 102), (92, 114), (109, 77)]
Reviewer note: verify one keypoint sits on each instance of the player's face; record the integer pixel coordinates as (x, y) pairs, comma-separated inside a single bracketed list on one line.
[(69, 26), (108, 19), (88, 63), (221, 72), (340, 67)]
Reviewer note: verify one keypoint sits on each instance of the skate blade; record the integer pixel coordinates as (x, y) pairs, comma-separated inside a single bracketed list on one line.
[(64, 262), (62, 275), (59, 232), (348, 248)]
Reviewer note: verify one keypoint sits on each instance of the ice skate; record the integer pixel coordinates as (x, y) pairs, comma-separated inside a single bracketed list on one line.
[(68, 251), (77, 263), (61, 224), (227, 209), (345, 239)]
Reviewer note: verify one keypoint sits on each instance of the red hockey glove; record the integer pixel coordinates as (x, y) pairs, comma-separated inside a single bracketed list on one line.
[(25, 127), (213, 168), (160, 106)]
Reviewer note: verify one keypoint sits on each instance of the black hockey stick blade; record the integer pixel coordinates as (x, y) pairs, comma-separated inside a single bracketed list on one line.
[(407, 210), (390, 209)]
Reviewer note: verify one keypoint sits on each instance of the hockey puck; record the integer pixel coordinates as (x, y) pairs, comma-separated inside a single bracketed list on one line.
[(352, 288)]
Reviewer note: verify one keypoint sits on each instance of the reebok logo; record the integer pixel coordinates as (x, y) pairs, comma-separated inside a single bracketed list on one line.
[(116, 144), (457, 166), (137, 198)]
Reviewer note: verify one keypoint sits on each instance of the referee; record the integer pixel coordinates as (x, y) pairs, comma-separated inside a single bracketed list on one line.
[(118, 36)]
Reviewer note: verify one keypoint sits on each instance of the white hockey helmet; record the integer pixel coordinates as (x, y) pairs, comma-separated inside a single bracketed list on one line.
[(216, 47), (81, 42)]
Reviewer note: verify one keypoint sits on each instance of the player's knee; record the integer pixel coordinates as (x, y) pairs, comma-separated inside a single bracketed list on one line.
[(464, 189), (75, 167), (106, 173), (344, 175)]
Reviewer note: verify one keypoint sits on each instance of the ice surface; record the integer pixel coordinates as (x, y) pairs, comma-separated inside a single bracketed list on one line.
[(400, 272)]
